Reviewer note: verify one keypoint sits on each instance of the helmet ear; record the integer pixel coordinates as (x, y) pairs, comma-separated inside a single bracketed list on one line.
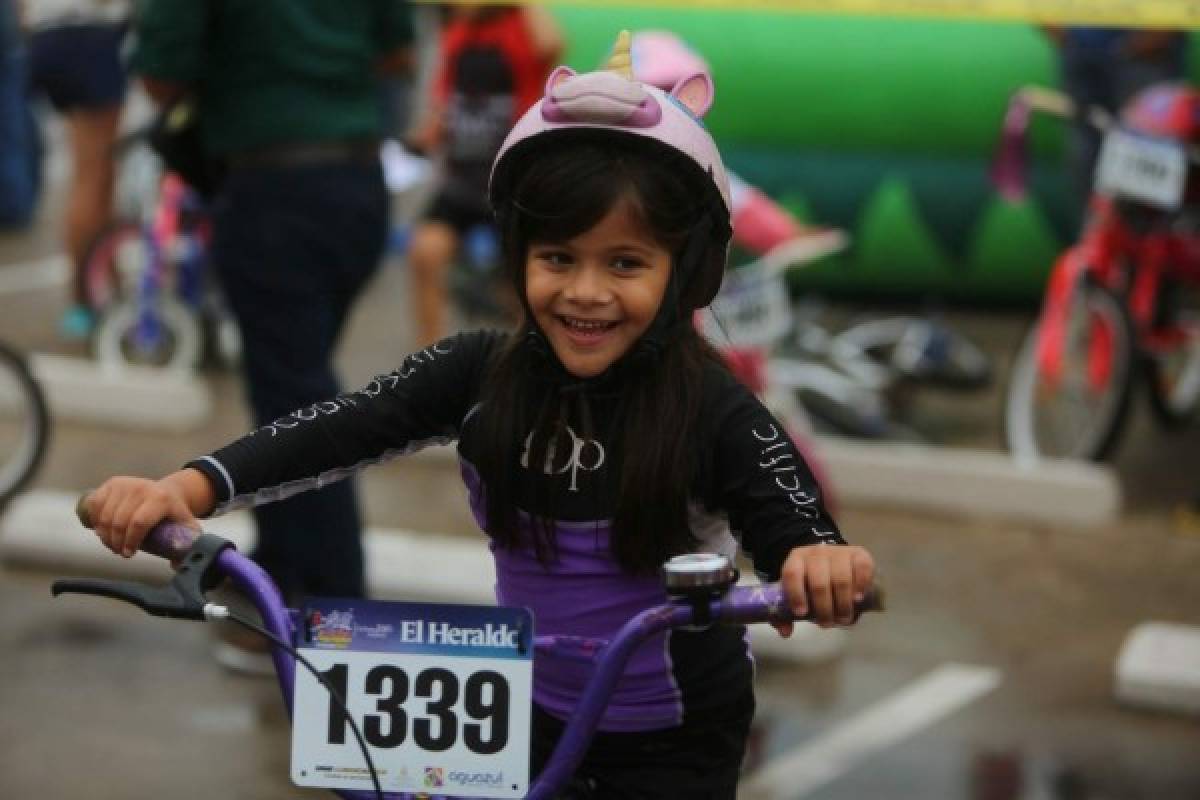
[(560, 74), (695, 93)]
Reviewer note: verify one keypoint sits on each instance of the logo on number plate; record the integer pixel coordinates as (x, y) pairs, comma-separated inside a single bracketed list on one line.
[(435, 777), (334, 629), (401, 779), (489, 779)]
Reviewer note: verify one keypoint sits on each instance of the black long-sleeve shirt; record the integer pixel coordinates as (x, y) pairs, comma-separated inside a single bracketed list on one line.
[(754, 488)]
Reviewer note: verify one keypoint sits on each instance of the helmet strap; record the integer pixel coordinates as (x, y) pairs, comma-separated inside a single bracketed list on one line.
[(688, 265)]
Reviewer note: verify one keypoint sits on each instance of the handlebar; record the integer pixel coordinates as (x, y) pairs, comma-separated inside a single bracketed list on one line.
[(203, 559), (1009, 164), (168, 540)]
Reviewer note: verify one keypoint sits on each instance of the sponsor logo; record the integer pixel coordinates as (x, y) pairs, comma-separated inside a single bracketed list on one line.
[(418, 631), (335, 629), (435, 777), (402, 779), (488, 779)]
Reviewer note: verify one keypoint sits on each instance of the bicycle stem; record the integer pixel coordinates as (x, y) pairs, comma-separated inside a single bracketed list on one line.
[(578, 734)]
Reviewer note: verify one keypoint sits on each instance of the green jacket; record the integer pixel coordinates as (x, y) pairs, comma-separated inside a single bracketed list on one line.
[(268, 72)]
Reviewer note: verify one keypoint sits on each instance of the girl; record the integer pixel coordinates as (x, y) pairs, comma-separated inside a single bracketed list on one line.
[(601, 438)]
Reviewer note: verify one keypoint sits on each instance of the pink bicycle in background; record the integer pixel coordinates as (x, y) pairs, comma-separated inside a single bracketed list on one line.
[(1122, 305), (752, 310), (854, 381), (146, 275)]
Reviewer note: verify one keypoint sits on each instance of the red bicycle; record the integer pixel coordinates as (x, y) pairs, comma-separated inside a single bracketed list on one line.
[(1123, 303)]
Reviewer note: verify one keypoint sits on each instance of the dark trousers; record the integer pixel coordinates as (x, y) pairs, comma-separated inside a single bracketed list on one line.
[(293, 247), (1108, 81), (700, 760)]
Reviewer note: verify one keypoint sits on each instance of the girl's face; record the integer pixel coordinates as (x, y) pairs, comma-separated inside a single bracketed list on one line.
[(594, 295)]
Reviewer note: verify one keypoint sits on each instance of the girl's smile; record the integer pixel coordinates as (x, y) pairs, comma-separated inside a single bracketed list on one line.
[(594, 296)]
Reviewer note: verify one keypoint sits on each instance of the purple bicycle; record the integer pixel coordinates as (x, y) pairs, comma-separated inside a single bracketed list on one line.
[(472, 701)]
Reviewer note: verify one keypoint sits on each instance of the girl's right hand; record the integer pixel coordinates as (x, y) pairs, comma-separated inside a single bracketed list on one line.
[(124, 509)]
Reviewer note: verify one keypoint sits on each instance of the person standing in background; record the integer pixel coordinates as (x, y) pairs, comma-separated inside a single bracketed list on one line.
[(287, 93), (494, 61), (20, 170), (1106, 67), (75, 61)]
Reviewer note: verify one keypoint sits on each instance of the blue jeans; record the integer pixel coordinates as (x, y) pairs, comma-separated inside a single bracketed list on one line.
[(20, 152), (294, 247)]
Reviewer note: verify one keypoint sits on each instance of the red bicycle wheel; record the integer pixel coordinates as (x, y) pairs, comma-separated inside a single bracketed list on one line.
[(1078, 406), (1172, 358)]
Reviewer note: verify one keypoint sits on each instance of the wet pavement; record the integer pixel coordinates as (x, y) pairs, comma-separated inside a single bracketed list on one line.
[(989, 678)]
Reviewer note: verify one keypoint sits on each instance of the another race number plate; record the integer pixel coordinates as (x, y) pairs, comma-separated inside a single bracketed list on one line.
[(1141, 168), (441, 693), (750, 310)]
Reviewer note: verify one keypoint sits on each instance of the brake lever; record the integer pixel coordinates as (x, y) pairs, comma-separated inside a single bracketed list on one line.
[(182, 598)]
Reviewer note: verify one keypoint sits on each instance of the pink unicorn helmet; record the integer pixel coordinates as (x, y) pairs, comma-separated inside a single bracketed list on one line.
[(611, 102), (663, 59)]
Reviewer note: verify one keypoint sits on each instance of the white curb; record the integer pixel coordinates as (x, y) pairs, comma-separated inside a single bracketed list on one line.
[(958, 481), (134, 397), (39, 530), (977, 483), (1159, 668)]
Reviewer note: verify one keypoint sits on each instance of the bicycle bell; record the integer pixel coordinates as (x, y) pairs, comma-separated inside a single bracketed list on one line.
[(703, 574)]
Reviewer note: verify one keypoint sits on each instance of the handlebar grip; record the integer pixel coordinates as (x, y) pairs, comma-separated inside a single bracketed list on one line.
[(768, 603), (874, 600), (85, 517), (169, 540)]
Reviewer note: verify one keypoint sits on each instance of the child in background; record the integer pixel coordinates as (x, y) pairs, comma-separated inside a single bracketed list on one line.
[(602, 437), (494, 62), (75, 60), (1106, 67)]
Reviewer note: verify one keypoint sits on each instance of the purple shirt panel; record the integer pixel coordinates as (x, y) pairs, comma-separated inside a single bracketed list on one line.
[(585, 593)]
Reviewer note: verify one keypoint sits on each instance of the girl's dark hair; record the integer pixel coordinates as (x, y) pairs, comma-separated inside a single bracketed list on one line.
[(562, 192)]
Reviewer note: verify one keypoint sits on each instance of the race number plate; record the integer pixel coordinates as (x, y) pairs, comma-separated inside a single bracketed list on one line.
[(441, 693), (1152, 171), (751, 310)]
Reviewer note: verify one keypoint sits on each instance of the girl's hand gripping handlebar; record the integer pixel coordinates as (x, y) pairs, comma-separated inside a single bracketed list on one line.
[(193, 555)]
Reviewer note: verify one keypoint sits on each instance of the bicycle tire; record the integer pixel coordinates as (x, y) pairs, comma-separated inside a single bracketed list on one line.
[(108, 275), (1173, 376), (1098, 429), (24, 424), (183, 349), (924, 351)]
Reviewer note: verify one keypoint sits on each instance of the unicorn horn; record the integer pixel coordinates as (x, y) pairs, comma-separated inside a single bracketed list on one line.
[(621, 62)]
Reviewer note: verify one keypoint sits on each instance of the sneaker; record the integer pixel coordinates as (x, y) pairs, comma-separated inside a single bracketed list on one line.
[(77, 323), (238, 649), (242, 651)]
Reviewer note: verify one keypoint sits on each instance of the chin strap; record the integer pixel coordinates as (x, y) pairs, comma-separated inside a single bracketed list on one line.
[(688, 266)]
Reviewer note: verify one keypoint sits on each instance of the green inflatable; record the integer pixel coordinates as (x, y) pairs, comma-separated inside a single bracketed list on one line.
[(884, 127)]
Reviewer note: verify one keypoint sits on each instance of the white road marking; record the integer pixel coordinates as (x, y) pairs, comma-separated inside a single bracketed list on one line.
[(939, 693), (28, 276)]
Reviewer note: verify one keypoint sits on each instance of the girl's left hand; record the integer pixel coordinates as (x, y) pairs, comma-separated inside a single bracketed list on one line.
[(825, 581)]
